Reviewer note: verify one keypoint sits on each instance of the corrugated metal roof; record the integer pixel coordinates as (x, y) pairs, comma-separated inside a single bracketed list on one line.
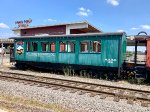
[(71, 35)]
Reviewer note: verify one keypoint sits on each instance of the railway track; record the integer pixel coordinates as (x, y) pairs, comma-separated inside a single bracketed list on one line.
[(131, 95)]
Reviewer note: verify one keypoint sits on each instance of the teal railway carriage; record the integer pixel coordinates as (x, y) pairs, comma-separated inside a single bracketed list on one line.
[(99, 52)]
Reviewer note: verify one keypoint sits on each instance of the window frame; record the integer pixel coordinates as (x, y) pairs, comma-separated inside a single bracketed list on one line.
[(28, 47), (47, 50), (90, 46), (33, 47), (73, 46), (67, 46), (49, 46)]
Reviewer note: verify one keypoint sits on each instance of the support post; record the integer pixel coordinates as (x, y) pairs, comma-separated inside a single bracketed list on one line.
[(2, 54), (135, 53)]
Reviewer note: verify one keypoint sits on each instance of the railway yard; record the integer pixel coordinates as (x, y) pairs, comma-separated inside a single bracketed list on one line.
[(38, 91), (64, 56)]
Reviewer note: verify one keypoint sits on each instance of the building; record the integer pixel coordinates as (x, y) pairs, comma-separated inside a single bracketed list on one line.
[(6, 44), (57, 29)]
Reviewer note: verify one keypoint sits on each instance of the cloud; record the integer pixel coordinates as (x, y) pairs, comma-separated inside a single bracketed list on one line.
[(2, 25), (145, 27), (84, 12), (52, 20), (120, 30), (113, 2), (134, 28)]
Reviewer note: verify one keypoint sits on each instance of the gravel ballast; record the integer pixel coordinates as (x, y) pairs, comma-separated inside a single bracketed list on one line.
[(82, 103), (95, 81)]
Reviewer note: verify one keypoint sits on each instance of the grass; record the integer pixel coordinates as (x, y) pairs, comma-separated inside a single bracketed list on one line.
[(33, 103)]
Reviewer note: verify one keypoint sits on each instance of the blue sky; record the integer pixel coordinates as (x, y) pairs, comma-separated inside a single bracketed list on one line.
[(130, 16)]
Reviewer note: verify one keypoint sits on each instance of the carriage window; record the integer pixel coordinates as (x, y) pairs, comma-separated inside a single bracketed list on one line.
[(96, 46), (63, 47), (90, 46), (52, 47), (29, 46), (67, 46), (71, 46), (44, 46), (84, 46), (35, 46)]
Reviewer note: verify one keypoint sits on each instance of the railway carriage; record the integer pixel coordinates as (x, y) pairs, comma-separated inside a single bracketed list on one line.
[(90, 53)]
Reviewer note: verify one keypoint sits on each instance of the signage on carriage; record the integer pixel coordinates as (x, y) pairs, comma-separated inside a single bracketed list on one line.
[(24, 23), (20, 48)]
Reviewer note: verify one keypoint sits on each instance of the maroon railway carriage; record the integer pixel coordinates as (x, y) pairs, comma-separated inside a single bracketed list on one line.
[(141, 68)]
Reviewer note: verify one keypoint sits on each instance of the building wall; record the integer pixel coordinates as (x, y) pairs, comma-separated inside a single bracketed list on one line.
[(76, 31), (53, 30)]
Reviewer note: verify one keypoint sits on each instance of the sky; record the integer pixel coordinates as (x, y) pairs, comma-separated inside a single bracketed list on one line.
[(130, 16)]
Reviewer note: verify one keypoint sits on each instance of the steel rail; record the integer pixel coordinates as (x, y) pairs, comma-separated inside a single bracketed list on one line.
[(77, 88), (92, 84)]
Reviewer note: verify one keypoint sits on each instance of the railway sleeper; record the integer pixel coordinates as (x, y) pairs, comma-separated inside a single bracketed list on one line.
[(82, 92), (116, 99), (56, 88), (130, 101), (103, 96), (145, 104), (93, 94), (73, 91)]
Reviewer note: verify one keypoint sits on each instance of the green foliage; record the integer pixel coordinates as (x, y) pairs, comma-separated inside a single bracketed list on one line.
[(129, 54), (68, 71), (140, 80)]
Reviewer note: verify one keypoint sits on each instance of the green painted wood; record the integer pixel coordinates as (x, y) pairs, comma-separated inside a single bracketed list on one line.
[(47, 57), (89, 59), (107, 57), (68, 58)]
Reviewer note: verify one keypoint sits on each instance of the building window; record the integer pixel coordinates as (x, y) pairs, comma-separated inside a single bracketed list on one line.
[(29, 47), (52, 47), (35, 46), (96, 46), (44, 46), (84, 46)]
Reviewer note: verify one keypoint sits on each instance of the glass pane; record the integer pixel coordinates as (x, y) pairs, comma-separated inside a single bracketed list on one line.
[(34, 46), (96, 46), (52, 47), (71, 46), (63, 47), (44, 46), (84, 46), (29, 46)]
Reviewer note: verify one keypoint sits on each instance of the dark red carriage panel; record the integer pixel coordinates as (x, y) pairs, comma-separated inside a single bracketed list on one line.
[(148, 54)]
